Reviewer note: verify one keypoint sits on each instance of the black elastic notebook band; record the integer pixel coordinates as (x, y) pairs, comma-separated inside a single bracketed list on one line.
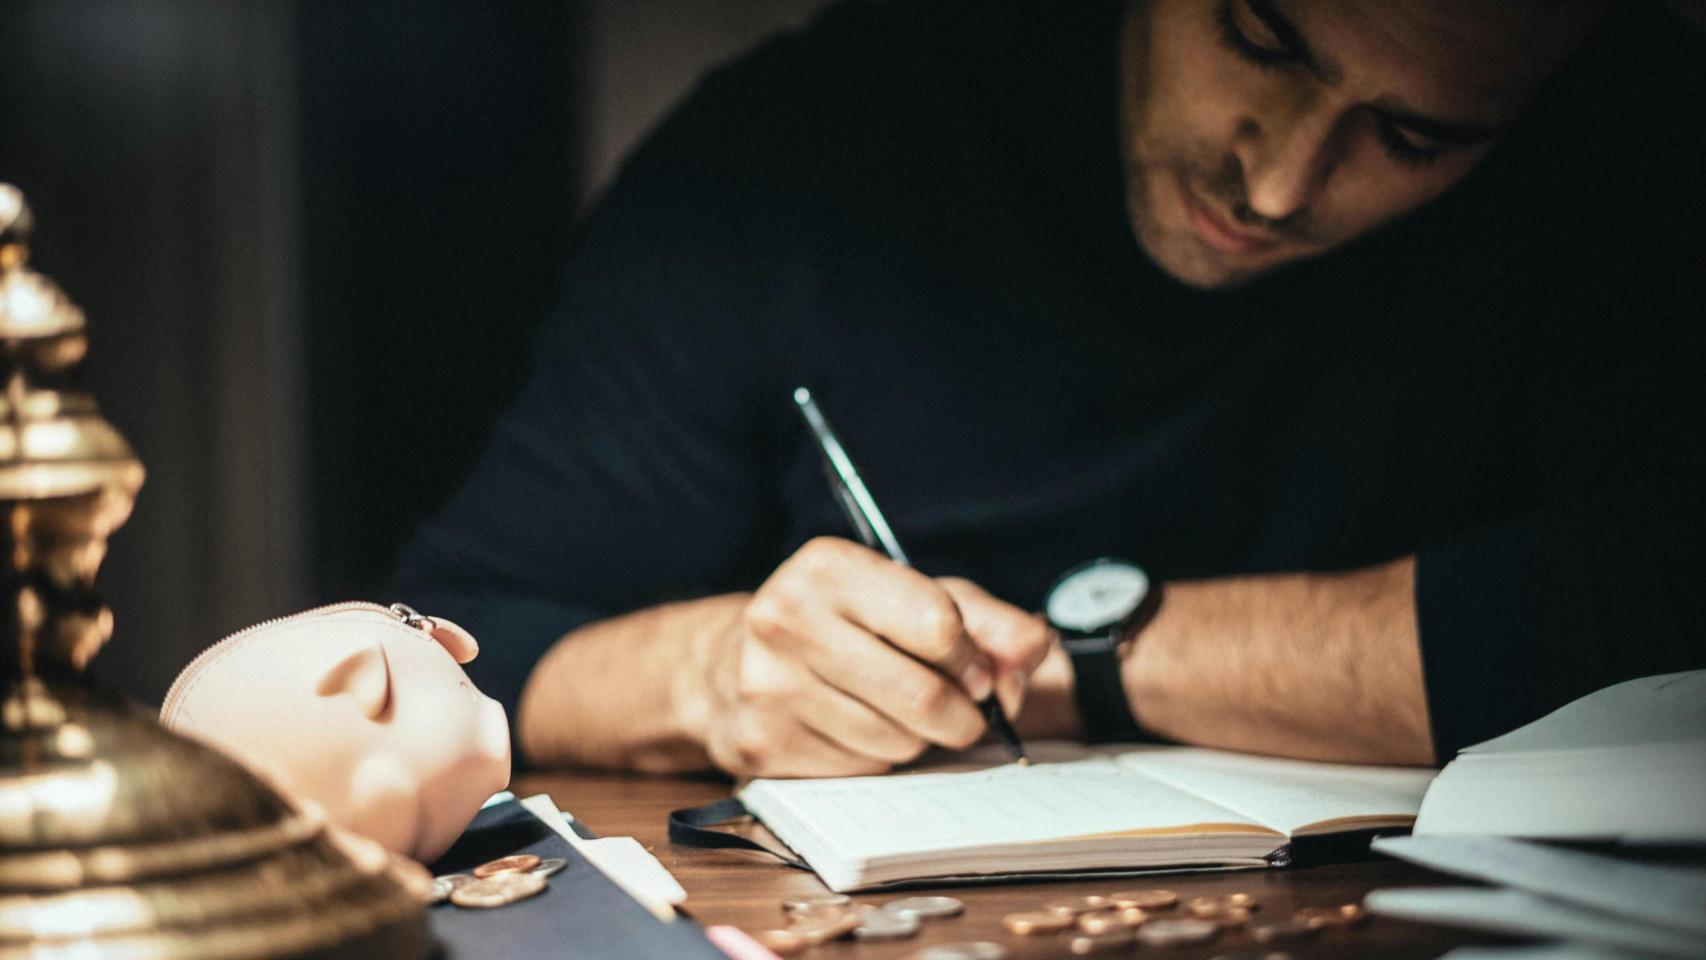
[(692, 828)]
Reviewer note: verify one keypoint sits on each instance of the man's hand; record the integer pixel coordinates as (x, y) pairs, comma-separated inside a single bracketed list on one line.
[(845, 662)]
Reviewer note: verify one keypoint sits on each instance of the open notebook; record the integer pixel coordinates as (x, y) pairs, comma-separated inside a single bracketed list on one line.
[(1147, 808)]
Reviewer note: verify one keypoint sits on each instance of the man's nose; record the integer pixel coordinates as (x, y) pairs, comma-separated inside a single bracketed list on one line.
[(1287, 158)]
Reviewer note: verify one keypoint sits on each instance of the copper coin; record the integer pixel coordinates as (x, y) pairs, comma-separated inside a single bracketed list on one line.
[(1210, 907), (1283, 930), (783, 943), (1088, 943), (1233, 917), (1346, 915), (1105, 921), (1168, 933), (519, 863), (1037, 921), (1144, 899), (971, 950), (1077, 905), (822, 929), (484, 893)]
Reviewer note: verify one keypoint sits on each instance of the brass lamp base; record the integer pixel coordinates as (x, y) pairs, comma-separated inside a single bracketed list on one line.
[(117, 838), (120, 839)]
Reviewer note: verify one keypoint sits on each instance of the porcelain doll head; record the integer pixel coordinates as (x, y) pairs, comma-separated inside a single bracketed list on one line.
[(363, 710)]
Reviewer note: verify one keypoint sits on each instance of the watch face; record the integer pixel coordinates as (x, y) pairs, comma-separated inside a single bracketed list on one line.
[(1097, 596)]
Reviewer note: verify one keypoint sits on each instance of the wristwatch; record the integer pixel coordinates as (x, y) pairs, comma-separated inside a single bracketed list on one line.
[(1095, 606)]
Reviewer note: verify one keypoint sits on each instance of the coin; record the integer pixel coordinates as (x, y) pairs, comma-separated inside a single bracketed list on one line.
[(1037, 921), (1234, 917), (505, 888), (1104, 921), (971, 950), (783, 943), (882, 923), (927, 908), (443, 886), (1077, 905), (550, 866), (823, 927), (1345, 915), (1283, 930), (1251, 955), (1144, 899), (815, 901), (1167, 933), (519, 863), (1088, 943), (1210, 907)]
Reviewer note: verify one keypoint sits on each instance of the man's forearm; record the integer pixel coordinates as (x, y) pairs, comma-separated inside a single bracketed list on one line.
[(1319, 666), (627, 692)]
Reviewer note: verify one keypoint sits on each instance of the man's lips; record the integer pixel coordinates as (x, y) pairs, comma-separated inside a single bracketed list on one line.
[(1214, 230)]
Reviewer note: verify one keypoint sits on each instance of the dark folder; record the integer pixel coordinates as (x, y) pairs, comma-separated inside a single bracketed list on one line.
[(580, 916)]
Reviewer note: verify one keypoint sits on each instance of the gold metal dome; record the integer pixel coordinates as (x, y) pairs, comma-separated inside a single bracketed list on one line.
[(117, 838)]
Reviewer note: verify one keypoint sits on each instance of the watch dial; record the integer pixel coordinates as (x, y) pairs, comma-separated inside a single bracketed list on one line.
[(1097, 596)]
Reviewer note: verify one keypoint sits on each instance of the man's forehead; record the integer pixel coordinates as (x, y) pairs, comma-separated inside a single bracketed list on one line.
[(1466, 59)]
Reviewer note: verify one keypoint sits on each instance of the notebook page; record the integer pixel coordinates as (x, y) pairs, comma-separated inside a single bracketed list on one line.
[(1286, 795), (862, 818), (1669, 708)]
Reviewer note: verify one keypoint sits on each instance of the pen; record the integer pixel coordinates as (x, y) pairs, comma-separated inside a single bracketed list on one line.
[(862, 512)]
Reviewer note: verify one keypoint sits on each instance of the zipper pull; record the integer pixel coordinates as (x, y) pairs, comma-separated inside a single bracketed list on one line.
[(412, 617)]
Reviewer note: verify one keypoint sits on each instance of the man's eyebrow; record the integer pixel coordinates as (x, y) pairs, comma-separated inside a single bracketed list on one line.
[(1455, 132), (1292, 40)]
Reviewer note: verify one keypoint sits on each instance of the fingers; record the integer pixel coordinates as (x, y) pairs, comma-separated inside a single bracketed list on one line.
[(899, 604), (918, 698), (858, 729), (1015, 641)]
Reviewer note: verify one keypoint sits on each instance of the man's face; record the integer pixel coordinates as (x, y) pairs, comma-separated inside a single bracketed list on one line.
[(1258, 132)]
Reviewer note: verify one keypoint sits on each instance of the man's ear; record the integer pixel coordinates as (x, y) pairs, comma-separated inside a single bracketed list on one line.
[(362, 675)]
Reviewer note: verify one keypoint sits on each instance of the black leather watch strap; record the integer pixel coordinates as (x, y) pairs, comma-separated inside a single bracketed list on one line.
[(1096, 684)]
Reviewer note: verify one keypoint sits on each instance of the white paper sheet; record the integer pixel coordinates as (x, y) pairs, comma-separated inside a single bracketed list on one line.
[(1524, 914), (1670, 896), (1287, 795), (1545, 951)]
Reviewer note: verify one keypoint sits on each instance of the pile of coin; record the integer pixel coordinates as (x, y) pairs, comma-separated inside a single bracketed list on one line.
[(497, 883), (820, 918)]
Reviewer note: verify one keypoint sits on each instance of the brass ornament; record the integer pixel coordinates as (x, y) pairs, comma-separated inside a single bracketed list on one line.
[(117, 838)]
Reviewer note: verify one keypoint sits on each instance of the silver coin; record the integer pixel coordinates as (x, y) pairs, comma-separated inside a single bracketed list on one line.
[(550, 866), (972, 950), (926, 907), (1252, 955), (885, 924), (443, 886), (816, 901), (1167, 933)]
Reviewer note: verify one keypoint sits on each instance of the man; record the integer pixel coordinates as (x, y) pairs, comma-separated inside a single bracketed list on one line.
[(1176, 281)]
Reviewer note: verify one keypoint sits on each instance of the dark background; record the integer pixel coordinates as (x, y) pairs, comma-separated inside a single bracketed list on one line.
[(313, 240)]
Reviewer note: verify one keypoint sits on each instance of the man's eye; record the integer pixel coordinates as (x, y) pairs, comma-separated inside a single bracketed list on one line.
[(1249, 37), (1407, 146)]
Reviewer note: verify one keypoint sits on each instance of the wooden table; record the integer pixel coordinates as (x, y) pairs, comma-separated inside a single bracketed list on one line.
[(745, 889)]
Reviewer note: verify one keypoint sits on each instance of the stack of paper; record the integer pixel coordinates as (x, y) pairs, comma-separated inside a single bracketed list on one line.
[(1606, 902)]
